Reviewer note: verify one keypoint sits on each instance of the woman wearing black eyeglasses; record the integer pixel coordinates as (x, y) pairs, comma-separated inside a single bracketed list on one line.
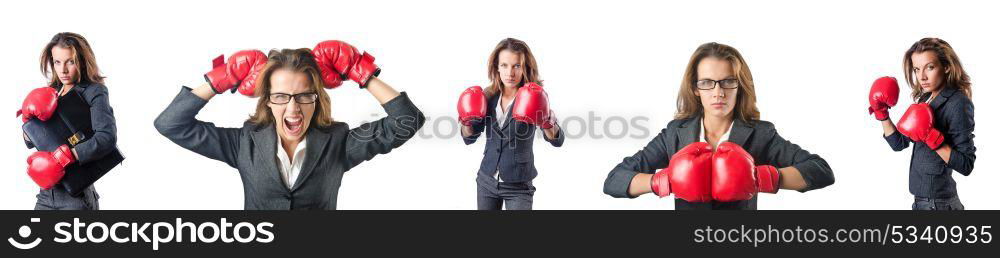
[(291, 154), (717, 153)]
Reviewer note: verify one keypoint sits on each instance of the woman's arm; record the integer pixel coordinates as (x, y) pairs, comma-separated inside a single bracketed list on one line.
[(381, 91), (177, 122), (381, 136), (470, 133), (944, 152), (102, 121), (554, 134), (888, 128), (896, 140), (640, 184), (800, 170), (631, 177), (467, 131), (791, 179), (960, 151), (204, 92)]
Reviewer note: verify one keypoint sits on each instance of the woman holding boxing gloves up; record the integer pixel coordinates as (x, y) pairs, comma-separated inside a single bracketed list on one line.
[(940, 123), (717, 153), (290, 153), (508, 111), (70, 63)]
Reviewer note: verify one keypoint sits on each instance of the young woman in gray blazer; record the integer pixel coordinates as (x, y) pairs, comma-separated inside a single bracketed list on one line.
[(70, 63), (717, 104), (508, 165), (291, 154), (940, 84)]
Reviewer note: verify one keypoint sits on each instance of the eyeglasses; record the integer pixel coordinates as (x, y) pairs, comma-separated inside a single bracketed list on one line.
[(708, 84), (301, 98)]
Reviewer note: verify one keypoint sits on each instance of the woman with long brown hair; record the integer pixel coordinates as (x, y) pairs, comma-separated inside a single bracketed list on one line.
[(940, 123), (290, 153), (717, 153), (508, 111), (69, 62)]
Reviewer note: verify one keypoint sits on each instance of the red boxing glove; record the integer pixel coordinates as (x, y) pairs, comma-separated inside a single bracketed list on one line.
[(531, 105), (735, 178), (471, 106), (338, 60), (240, 70), (918, 124), (884, 94), (689, 175), (47, 168), (40, 103)]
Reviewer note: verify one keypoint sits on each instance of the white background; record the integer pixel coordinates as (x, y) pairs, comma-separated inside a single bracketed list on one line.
[(812, 62)]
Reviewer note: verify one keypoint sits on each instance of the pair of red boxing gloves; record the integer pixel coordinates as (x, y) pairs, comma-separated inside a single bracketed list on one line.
[(337, 61), (698, 174), (918, 121), (44, 167), (531, 106)]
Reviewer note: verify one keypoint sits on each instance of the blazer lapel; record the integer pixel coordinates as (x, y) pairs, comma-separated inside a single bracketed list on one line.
[(316, 141), (942, 98), (740, 132), (688, 132), (691, 129), (265, 141)]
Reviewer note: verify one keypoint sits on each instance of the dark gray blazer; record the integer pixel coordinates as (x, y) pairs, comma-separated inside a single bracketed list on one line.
[(930, 176), (759, 139), (102, 119), (330, 151), (509, 147)]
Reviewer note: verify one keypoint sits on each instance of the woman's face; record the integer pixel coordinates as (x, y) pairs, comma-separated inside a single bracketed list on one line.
[(291, 119), (510, 67), (927, 70), (716, 102), (64, 65)]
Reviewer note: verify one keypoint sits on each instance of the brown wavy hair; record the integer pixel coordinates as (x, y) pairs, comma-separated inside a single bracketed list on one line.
[(955, 75), (296, 60), (530, 66), (82, 54), (689, 105)]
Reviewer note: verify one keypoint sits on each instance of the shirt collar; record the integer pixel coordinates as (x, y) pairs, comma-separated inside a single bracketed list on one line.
[(299, 149), (703, 137)]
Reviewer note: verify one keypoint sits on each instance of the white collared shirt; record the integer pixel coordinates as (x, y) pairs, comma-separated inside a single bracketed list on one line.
[(704, 137), (290, 168), (501, 110)]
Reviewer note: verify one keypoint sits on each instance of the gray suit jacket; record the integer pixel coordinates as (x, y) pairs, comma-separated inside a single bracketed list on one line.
[(930, 176), (509, 147), (330, 151), (759, 138)]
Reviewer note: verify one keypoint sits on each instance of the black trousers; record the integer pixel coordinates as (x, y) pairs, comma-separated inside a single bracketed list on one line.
[(945, 204), (491, 194), (57, 198)]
